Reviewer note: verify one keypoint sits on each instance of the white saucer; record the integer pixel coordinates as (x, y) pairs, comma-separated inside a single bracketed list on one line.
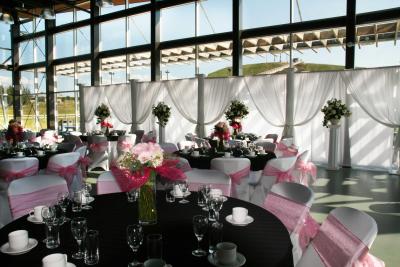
[(70, 264), (89, 200), (186, 194), (250, 156), (33, 219), (240, 260), (31, 244), (248, 220), (262, 153), (23, 156)]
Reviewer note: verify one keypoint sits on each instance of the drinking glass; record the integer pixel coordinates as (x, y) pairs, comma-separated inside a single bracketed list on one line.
[(184, 188), (201, 201), (154, 246), (169, 196), (206, 194), (135, 238), (77, 201), (92, 247), (50, 221), (87, 188), (216, 205), (200, 224), (79, 229), (63, 201), (215, 236)]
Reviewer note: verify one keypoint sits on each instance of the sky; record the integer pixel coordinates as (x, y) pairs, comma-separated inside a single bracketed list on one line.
[(214, 17)]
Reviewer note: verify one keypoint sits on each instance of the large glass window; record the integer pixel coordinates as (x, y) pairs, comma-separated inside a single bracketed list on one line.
[(259, 13), (112, 34), (64, 17), (118, 5), (376, 45), (139, 66), (215, 60), (39, 49), (139, 29), (5, 47), (26, 52), (64, 44), (215, 16), (113, 70), (133, 3), (178, 63), (373, 5), (316, 9), (178, 22), (6, 101), (82, 41)]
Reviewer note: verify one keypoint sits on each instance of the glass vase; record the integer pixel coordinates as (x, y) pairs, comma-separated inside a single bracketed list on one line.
[(147, 201)]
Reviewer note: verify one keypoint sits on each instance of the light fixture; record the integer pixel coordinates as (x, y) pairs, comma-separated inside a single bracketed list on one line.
[(104, 3), (47, 13), (7, 18)]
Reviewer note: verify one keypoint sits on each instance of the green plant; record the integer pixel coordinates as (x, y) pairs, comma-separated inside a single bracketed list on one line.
[(162, 112), (334, 110)]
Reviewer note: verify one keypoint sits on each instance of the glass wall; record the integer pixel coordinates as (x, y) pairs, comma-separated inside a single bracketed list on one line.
[(178, 63), (112, 34), (169, 16), (139, 29), (261, 13), (139, 66), (113, 70), (6, 101)]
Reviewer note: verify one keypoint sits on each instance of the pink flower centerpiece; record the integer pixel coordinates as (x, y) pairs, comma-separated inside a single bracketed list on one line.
[(137, 169)]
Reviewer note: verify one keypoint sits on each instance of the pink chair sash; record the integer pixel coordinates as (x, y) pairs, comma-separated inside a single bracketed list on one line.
[(369, 260), (281, 176), (10, 175), (124, 145), (99, 147), (287, 151), (84, 162), (295, 216), (68, 172), (336, 245), (236, 179), (306, 168), (21, 204)]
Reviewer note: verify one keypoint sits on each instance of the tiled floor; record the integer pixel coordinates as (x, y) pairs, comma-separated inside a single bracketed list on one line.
[(376, 193)]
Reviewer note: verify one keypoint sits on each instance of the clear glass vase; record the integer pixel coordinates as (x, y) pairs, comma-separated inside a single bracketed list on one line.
[(147, 201)]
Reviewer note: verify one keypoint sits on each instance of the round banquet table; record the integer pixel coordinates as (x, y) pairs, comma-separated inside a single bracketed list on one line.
[(204, 161), (43, 160), (264, 242)]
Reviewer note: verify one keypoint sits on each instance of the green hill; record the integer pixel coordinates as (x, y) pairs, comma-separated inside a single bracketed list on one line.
[(255, 69)]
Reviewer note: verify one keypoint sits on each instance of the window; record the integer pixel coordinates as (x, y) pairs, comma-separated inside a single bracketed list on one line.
[(82, 41), (139, 66), (118, 5), (178, 63), (215, 60), (215, 16), (64, 17), (260, 13), (6, 90), (26, 52), (315, 9), (64, 44), (133, 3), (182, 16), (113, 70), (139, 29), (39, 49), (5, 47), (373, 5), (112, 34)]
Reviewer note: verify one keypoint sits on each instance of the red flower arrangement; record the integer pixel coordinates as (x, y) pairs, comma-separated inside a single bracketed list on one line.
[(15, 132), (236, 125), (221, 131), (106, 124)]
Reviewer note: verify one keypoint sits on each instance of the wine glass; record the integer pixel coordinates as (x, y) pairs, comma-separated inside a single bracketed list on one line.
[(184, 188), (206, 194), (49, 217), (216, 205), (87, 188), (79, 229), (63, 201), (134, 235), (200, 224)]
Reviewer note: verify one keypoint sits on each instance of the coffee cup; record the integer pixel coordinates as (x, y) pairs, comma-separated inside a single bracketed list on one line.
[(40, 152), (196, 153), (227, 155), (185, 150), (261, 151), (252, 153), (239, 214), (226, 253), (18, 239), (37, 213), (177, 191), (53, 148), (154, 263), (20, 154), (55, 260)]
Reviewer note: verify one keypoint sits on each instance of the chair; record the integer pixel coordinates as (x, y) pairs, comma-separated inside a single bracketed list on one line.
[(66, 165), (344, 238), (75, 133), (190, 137), (98, 152), (215, 178), (49, 137), (287, 141), (268, 146), (106, 184), (304, 172), (125, 143), (277, 170), (73, 139), (238, 169), (26, 193), (12, 169), (274, 137), (139, 134), (66, 147), (84, 160), (291, 203), (150, 137), (169, 147), (190, 144)]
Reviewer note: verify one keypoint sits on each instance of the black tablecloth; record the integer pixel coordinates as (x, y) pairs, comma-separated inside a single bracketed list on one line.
[(204, 161), (265, 242), (84, 138)]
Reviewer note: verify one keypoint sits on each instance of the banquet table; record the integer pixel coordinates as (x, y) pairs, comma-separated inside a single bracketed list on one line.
[(43, 160), (264, 242), (258, 162)]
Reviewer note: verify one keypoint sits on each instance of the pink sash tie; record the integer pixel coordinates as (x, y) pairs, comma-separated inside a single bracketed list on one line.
[(281, 176), (67, 172), (237, 177), (336, 245), (21, 204), (10, 175), (99, 147), (306, 168), (124, 145), (84, 162), (369, 260)]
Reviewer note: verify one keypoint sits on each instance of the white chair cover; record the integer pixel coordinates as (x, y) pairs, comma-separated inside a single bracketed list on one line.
[(190, 144), (7, 168), (357, 222), (76, 133), (139, 134), (266, 144), (215, 178), (26, 193), (150, 137), (304, 171), (169, 147), (98, 152), (238, 169), (49, 137), (106, 184)]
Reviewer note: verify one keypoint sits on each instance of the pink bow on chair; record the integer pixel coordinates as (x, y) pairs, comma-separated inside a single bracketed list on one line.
[(124, 145), (281, 176), (237, 177), (13, 175), (67, 172), (307, 231), (306, 168), (99, 147), (84, 162)]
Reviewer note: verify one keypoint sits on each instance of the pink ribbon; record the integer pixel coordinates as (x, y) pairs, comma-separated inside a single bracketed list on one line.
[(67, 172), (21, 204), (99, 147), (306, 168), (13, 175), (336, 245), (287, 151), (124, 145), (236, 179), (128, 180), (307, 231), (281, 176), (84, 162), (369, 260)]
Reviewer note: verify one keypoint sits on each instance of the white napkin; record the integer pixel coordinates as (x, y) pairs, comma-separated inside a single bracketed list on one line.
[(178, 191)]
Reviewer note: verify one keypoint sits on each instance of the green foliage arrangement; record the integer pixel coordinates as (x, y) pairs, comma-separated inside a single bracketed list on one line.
[(162, 112), (334, 110)]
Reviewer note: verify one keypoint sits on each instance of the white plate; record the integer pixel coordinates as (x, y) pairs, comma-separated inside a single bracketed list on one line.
[(248, 220), (186, 194), (262, 153), (31, 244), (32, 219)]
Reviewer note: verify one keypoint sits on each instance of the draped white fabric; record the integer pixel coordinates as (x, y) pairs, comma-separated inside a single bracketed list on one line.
[(147, 93), (119, 98), (269, 96), (94, 96)]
